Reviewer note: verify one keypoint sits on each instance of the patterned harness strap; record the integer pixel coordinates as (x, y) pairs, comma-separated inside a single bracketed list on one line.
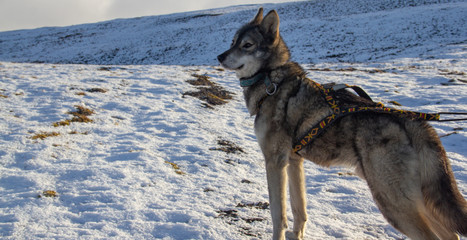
[(339, 112)]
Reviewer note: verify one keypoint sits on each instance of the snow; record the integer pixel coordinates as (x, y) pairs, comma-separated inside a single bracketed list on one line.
[(117, 177), (316, 31)]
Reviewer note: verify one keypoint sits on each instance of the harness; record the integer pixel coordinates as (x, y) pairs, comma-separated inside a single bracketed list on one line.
[(329, 93), (343, 107)]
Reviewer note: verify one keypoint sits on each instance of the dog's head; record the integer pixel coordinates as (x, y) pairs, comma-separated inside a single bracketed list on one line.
[(256, 47)]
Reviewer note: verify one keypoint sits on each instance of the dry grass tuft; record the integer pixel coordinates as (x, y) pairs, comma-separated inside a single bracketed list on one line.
[(208, 91), (176, 168), (44, 135), (80, 115), (227, 147), (48, 193)]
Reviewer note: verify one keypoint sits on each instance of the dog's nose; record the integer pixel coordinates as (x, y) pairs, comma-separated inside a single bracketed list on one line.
[(221, 57)]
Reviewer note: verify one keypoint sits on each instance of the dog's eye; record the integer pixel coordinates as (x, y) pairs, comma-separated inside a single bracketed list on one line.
[(247, 45)]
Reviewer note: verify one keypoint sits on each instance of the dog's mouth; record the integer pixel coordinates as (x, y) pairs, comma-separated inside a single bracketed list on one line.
[(234, 69)]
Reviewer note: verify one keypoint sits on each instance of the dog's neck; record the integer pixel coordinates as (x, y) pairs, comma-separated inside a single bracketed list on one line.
[(260, 76), (260, 86), (256, 93)]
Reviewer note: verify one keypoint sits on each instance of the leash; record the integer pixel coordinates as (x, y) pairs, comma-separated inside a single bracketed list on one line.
[(339, 112), (453, 119)]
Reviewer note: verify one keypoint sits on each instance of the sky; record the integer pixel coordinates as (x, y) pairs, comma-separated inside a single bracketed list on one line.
[(28, 14)]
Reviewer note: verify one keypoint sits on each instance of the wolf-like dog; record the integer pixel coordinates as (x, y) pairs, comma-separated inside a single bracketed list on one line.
[(402, 160)]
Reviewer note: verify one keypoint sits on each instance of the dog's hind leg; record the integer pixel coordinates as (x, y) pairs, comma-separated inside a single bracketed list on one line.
[(297, 191), (442, 232), (402, 205), (276, 171), (408, 220)]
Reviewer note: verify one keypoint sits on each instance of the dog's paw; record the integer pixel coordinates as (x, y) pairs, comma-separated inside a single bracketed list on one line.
[(290, 235)]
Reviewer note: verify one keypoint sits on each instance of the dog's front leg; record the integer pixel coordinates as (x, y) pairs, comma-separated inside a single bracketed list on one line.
[(276, 171), (296, 176)]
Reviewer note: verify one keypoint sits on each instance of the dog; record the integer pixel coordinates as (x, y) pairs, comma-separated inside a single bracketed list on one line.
[(402, 160)]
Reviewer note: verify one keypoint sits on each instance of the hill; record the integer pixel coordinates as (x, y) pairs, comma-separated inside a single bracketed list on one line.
[(316, 31)]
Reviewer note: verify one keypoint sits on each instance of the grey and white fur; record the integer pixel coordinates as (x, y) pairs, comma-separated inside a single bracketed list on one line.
[(402, 160)]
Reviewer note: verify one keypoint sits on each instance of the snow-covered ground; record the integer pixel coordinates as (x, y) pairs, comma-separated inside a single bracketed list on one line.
[(148, 166)]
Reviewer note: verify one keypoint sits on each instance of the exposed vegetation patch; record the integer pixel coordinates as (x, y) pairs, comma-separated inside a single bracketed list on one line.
[(230, 213), (80, 115), (104, 69), (257, 205), (232, 216), (44, 135), (449, 72), (202, 80), (455, 77), (76, 132), (82, 91), (98, 90), (346, 174), (48, 193), (1, 95), (208, 91), (232, 162), (246, 181), (82, 111), (227, 147), (176, 168), (250, 220), (62, 123), (454, 82)]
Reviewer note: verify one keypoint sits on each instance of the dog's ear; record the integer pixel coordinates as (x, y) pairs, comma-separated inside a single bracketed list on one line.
[(270, 25), (259, 17)]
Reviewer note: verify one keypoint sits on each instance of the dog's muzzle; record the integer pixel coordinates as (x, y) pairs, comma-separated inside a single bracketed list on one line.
[(222, 57)]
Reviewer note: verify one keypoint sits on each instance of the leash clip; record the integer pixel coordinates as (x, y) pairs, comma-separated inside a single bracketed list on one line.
[(273, 91)]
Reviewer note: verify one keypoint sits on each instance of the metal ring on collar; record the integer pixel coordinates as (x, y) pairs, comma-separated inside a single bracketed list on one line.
[(273, 92)]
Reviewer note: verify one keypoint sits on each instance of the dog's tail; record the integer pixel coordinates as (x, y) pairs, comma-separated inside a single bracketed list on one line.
[(442, 198)]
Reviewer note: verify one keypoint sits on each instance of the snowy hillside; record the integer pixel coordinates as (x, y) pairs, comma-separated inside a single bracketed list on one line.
[(124, 150), (316, 31)]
